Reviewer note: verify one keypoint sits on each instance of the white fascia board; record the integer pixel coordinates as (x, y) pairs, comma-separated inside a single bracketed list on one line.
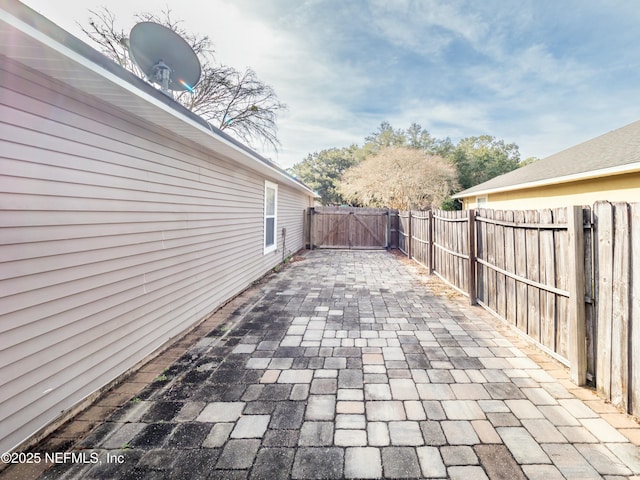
[(604, 172), (204, 137)]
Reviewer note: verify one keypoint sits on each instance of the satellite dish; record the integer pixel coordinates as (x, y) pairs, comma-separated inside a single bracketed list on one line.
[(164, 57)]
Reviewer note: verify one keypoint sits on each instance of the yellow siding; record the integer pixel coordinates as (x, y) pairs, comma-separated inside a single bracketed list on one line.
[(618, 188)]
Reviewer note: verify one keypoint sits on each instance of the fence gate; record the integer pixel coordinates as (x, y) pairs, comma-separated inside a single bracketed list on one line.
[(349, 227)]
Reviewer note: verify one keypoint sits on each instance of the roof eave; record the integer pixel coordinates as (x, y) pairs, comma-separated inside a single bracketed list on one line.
[(605, 172)]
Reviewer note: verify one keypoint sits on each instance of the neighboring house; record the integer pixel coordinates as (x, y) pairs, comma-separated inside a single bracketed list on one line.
[(124, 220), (604, 168)]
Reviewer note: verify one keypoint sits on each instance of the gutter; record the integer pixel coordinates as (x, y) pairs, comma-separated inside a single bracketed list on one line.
[(605, 172)]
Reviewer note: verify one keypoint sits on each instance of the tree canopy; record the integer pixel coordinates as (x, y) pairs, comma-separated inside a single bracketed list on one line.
[(479, 159), (232, 100), (323, 170), (414, 137), (399, 177), (366, 181)]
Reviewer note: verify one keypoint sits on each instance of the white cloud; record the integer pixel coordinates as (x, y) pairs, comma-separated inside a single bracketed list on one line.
[(531, 71), (528, 72), (315, 87), (425, 27)]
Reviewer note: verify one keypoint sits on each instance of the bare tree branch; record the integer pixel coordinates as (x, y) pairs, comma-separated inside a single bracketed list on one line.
[(399, 177), (234, 101)]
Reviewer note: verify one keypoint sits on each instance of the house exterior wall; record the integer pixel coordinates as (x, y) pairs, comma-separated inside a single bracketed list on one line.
[(618, 188), (115, 236)]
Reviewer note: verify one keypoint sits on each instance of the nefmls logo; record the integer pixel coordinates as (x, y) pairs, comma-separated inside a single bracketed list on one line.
[(72, 457)]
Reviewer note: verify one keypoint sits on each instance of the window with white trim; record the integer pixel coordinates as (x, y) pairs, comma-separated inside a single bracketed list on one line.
[(481, 202), (270, 216)]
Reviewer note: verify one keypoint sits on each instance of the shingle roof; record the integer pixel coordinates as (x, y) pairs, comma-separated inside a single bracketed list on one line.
[(618, 150)]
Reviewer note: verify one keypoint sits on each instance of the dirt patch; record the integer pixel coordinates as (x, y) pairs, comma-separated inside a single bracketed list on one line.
[(431, 282), (296, 258)]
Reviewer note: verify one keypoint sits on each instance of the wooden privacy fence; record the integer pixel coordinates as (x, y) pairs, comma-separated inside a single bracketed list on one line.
[(530, 268), (453, 249), (438, 238), (349, 227), (414, 229), (617, 290), (567, 277)]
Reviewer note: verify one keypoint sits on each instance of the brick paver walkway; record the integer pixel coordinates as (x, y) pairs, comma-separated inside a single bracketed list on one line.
[(345, 366)]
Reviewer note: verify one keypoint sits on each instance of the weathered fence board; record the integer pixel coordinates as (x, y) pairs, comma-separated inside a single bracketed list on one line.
[(617, 273), (548, 277), (533, 264), (634, 313), (403, 232), (562, 283), (510, 266), (575, 268), (490, 248), (603, 213), (620, 318), (520, 235), (481, 269), (499, 256)]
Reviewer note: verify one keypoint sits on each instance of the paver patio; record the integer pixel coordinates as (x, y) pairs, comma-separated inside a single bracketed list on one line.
[(345, 365)]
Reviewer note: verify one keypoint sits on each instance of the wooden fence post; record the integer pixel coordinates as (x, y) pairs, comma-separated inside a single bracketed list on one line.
[(305, 227), (409, 237), (430, 246), (577, 326), (311, 226), (621, 311), (471, 274), (634, 315), (387, 230)]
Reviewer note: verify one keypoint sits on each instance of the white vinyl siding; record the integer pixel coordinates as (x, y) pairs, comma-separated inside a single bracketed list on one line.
[(270, 216), (115, 236), (291, 216)]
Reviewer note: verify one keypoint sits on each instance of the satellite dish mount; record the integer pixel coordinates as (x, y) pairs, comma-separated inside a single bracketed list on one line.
[(164, 57), (162, 75)]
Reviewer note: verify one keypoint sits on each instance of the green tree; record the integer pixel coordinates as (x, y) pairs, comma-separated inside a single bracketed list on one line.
[(479, 159), (415, 137), (419, 138), (399, 177), (528, 160), (385, 136), (322, 171)]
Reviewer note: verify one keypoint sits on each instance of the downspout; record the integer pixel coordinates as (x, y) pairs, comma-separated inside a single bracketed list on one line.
[(284, 244)]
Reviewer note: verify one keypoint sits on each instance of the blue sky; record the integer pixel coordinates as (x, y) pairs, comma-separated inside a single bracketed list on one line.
[(543, 74)]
